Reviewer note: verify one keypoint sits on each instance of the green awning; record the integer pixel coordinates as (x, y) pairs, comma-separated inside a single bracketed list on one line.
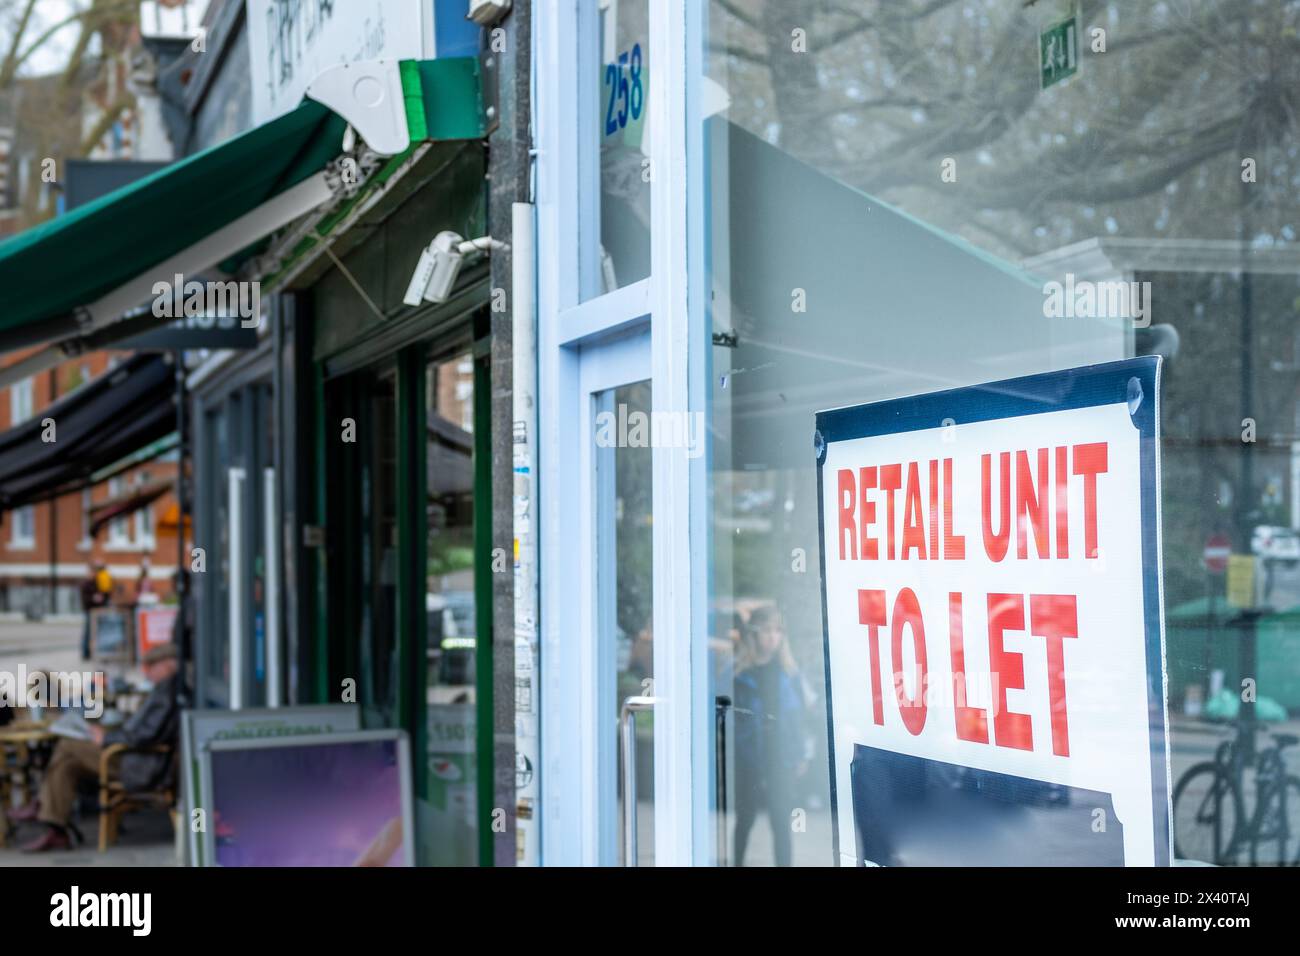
[(76, 271)]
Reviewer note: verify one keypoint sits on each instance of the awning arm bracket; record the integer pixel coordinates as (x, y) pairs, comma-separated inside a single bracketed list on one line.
[(368, 94)]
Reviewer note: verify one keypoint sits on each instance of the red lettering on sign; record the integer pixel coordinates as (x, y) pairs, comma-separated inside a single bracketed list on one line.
[(1007, 613), (1062, 503), (907, 613), (1031, 500), (1054, 617), (891, 479), (954, 545), (848, 495), (1040, 499), (1090, 461), (934, 509), (995, 543), (867, 515), (871, 612), (972, 722), (913, 527)]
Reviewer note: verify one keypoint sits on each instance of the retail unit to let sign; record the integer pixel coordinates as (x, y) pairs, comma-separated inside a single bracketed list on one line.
[(993, 623)]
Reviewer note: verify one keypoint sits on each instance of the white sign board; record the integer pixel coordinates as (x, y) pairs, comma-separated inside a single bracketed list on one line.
[(200, 727), (991, 592), (289, 44)]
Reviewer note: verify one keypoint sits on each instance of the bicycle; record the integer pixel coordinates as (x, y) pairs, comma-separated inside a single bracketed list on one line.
[(1210, 820)]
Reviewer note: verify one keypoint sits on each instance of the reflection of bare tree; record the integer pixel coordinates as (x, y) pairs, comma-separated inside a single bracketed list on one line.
[(50, 109), (1154, 126)]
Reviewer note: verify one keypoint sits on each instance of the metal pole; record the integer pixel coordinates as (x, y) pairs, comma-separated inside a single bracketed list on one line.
[(721, 703), (627, 734), (181, 628), (1246, 652), (54, 518)]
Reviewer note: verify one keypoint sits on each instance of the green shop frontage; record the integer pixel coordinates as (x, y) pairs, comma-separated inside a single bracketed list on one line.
[(363, 453), (340, 469)]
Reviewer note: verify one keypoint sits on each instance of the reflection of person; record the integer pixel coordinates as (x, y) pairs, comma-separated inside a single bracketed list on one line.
[(641, 660), (770, 752), (383, 846), (156, 722), (94, 593), (143, 586)]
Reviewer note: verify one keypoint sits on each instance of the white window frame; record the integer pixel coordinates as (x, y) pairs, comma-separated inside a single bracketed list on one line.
[(568, 327), (142, 527), (19, 541), (21, 403), (87, 501), (119, 529)]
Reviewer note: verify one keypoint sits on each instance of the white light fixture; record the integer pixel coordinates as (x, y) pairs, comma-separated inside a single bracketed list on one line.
[(487, 12)]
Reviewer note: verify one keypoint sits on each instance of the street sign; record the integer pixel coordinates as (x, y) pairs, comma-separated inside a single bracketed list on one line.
[(1241, 581), (1217, 551), (993, 623), (1058, 53)]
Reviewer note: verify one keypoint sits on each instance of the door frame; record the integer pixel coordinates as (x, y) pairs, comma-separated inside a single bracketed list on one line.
[(569, 329), (603, 367)]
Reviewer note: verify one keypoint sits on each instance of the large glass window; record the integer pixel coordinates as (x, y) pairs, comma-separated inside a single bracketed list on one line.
[(452, 832), (622, 254), (20, 401), (214, 602), (379, 555), (22, 532), (624, 510), (894, 186)]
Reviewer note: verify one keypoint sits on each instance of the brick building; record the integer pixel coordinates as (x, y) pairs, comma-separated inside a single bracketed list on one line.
[(48, 548)]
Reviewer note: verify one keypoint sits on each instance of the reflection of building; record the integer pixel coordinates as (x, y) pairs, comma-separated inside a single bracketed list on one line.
[(1231, 378), (48, 547), (694, 239), (341, 461)]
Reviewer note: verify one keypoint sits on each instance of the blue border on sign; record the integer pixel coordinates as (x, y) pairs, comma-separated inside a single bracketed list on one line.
[(1112, 383)]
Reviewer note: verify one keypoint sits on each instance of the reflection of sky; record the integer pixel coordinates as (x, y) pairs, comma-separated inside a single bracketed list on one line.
[(305, 805), (53, 54)]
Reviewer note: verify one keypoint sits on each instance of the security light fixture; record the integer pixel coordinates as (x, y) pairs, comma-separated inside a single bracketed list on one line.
[(487, 12), (439, 265)]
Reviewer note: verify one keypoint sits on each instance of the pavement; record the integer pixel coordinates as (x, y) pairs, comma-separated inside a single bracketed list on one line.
[(145, 838)]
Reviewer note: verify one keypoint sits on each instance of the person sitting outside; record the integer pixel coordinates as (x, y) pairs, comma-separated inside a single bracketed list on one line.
[(156, 722)]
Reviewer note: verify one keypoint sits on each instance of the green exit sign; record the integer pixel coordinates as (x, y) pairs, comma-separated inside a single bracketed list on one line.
[(1058, 53)]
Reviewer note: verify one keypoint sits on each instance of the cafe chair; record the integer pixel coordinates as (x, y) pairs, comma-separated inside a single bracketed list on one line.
[(115, 801)]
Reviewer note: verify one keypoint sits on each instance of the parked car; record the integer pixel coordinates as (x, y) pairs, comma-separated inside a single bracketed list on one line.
[(1275, 542)]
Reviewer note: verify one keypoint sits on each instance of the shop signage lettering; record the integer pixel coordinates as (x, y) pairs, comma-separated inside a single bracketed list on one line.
[(291, 43), (988, 589)]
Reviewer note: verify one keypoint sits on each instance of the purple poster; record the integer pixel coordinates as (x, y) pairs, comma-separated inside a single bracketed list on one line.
[(336, 803)]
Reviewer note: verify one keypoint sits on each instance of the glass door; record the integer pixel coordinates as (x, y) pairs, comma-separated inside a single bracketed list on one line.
[(618, 603), (625, 618), (617, 781)]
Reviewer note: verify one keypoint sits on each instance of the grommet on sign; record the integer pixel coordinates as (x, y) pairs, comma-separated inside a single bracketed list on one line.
[(1134, 396)]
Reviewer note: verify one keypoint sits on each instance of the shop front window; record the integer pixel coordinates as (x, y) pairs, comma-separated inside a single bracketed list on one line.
[(378, 541), (905, 197), (214, 605), (621, 256), (452, 831)]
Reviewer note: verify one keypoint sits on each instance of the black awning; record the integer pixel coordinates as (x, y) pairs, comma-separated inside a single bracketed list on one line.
[(105, 420)]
